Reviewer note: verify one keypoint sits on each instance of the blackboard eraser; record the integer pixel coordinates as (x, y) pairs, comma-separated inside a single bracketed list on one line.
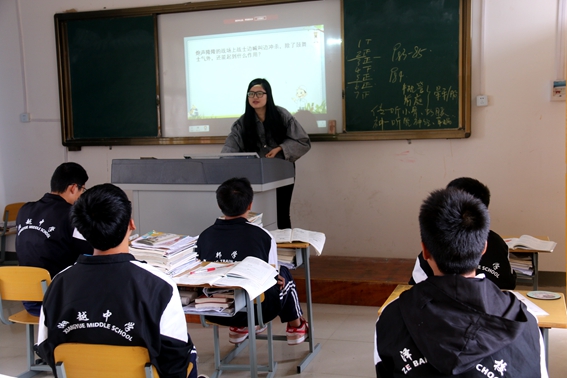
[(147, 157)]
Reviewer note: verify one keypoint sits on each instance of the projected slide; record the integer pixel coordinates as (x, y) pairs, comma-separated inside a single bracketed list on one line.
[(219, 67)]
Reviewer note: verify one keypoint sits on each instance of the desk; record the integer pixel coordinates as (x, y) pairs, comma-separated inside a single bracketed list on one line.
[(534, 256), (556, 309), (241, 300), (302, 254)]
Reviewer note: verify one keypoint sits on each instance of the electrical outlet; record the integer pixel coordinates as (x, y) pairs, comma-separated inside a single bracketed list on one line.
[(25, 117), (481, 100), (558, 90)]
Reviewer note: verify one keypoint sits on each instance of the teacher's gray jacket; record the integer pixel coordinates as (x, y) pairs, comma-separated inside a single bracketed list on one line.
[(294, 146)]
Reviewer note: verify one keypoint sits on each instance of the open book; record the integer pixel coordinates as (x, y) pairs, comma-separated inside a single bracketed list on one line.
[(529, 242), (251, 274), (288, 235)]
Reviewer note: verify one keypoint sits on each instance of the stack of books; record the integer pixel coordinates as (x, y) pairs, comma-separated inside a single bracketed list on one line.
[(522, 264), (211, 300), (215, 299), (170, 253), (286, 257)]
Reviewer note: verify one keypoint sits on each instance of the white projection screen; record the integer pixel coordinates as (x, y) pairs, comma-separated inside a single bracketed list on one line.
[(207, 59)]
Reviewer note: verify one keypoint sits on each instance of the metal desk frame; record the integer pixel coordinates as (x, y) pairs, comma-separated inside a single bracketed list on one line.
[(302, 249), (302, 254)]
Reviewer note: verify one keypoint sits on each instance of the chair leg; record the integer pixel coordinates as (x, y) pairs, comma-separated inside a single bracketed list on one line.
[(30, 338), (30, 334), (60, 369), (147, 369), (216, 343), (271, 366)]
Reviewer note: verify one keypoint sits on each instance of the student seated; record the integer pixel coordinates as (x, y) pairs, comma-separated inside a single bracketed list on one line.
[(456, 323), (46, 239), (495, 263), (110, 298), (233, 239)]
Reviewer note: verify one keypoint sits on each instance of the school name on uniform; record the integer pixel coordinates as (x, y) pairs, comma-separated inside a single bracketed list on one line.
[(66, 327), (491, 271)]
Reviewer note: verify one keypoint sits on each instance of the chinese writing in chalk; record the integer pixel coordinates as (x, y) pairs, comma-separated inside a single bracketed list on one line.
[(401, 100)]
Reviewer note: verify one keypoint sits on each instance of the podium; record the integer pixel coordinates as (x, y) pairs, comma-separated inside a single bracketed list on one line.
[(179, 195)]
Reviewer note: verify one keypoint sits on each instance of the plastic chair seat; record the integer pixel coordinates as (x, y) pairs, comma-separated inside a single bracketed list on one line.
[(24, 317)]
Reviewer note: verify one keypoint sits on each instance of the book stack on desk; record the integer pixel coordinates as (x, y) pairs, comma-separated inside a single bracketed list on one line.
[(171, 253)]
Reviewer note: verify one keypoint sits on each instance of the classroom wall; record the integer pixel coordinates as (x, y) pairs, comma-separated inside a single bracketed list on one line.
[(364, 196)]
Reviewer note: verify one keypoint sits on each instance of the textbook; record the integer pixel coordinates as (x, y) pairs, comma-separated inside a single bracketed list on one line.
[(288, 235), (529, 242), (218, 293), (251, 274), (216, 305)]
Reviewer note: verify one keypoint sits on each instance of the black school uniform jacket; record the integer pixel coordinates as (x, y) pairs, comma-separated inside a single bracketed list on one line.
[(46, 237), (494, 264), (116, 300), (456, 326), (234, 240)]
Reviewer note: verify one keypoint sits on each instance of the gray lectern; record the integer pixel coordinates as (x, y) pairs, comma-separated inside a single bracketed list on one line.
[(178, 195)]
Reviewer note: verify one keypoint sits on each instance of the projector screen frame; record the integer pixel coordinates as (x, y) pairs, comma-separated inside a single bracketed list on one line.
[(64, 66)]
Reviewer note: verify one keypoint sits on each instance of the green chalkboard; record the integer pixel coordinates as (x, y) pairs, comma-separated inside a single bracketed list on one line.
[(404, 67), (112, 74)]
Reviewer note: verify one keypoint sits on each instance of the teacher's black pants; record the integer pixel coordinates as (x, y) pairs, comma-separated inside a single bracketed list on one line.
[(283, 199)]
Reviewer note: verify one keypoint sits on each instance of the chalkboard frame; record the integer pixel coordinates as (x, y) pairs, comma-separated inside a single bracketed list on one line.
[(65, 95)]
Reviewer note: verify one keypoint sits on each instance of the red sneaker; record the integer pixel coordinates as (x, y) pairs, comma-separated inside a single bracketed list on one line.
[(236, 335), (297, 335)]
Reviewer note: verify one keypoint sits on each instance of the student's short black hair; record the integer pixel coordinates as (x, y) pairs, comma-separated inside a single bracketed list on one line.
[(454, 227), (472, 186), (102, 215), (234, 196), (68, 174)]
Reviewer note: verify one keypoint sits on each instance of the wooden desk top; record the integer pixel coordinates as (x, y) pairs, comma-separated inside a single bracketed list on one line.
[(556, 308), (293, 245)]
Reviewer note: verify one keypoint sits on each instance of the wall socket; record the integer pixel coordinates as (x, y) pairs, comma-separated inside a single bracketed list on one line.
[(25, 117), (558, 90), (481, 100)]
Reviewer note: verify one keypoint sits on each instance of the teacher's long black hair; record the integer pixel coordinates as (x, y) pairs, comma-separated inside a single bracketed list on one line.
[(273, 123)]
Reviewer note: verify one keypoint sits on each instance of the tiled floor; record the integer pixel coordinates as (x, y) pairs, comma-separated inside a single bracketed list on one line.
[(344, 332)]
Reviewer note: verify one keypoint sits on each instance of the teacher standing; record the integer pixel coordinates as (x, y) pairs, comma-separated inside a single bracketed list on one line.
[(272, 132)]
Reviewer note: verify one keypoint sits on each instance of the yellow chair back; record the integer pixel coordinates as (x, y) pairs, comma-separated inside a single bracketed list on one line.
[(23, 283), (103, 361)]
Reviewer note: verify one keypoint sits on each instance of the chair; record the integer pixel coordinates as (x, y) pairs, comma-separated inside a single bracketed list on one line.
[(99, 360), (10, 214), (24, 283)]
